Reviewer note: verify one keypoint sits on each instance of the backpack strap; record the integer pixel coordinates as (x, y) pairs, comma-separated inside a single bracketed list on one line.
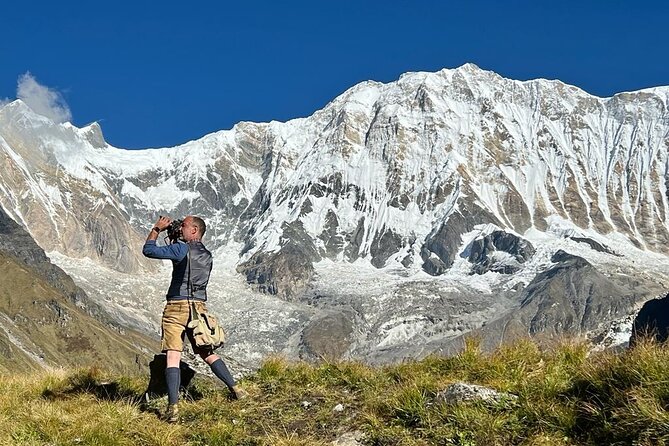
[(191, 304)]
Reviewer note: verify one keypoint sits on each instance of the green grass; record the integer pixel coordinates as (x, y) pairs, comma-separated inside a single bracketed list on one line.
[(566, 396)]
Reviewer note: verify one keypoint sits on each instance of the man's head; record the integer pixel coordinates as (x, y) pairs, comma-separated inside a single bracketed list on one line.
[(193, 228)]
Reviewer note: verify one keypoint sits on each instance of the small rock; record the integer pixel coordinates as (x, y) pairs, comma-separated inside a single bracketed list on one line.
[(462, 392), (338, 408), (349, 439), (306, 404)]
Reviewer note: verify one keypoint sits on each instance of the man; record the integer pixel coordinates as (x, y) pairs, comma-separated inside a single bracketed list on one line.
[(176, 314)]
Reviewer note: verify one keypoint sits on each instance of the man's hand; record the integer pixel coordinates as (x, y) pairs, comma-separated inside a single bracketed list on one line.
[(161, 225)]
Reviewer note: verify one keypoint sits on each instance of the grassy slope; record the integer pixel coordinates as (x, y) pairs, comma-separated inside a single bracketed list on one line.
[(44, 320), (565, 398)]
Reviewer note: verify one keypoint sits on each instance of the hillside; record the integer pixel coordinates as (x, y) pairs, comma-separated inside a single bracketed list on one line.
[(47, 321), (41, 328), (565, 396)]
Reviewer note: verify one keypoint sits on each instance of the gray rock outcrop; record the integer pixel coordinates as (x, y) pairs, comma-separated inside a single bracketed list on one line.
[(482, 253), (460, 392), (573, 297), (354, 438), (652, 321)]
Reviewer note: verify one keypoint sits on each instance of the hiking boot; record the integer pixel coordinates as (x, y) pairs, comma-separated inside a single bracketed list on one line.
[(238, 393), (171, 414)]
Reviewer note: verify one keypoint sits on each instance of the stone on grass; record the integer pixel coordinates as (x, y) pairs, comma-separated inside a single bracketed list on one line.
[(462, 392), (350, 439)]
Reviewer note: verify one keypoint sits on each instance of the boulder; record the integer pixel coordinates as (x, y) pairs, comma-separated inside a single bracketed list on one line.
[(652, 321)]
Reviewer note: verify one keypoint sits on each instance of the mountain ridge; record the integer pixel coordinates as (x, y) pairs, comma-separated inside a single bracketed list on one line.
[(393, 176)]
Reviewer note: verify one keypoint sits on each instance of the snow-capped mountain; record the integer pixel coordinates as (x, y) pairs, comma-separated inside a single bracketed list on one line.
[(389, 223)]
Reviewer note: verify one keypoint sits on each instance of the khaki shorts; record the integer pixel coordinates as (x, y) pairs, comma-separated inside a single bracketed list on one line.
[(175, 319)]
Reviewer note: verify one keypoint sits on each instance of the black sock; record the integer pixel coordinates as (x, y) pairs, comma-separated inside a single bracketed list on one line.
[(173, 380), (221, 371)]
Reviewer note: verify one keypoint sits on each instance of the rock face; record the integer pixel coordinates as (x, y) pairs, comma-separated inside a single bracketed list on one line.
[(442, 244), (652, 321), (285, 272), (75, 212), (498, 252), (594, 245), (398, 177), (572, 297)]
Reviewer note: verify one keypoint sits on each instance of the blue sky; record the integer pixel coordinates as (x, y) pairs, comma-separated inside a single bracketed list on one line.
[(157, 74)]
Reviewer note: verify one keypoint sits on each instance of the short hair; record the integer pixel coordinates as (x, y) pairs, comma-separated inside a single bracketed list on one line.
[(200, 224)]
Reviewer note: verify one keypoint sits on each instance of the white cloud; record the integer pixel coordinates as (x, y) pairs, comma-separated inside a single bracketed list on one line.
[(43, 100)]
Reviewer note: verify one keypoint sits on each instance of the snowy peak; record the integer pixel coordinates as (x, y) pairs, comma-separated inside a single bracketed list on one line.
[(392, 173), (19, 110), (392, 163), (93, 134), (53, 186)]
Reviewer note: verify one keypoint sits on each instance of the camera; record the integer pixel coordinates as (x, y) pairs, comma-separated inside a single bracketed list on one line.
[(174, 230)]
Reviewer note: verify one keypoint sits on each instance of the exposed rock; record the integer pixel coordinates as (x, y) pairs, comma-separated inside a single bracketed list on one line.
[(354, 241), (354, 438), (482, 253), (652, 321), (94, 135), (286, 272), (440, 247), (572, 297), (595, 245), (332, 239), (384, 245), (569, 298), (328, 337), (459, 392)]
